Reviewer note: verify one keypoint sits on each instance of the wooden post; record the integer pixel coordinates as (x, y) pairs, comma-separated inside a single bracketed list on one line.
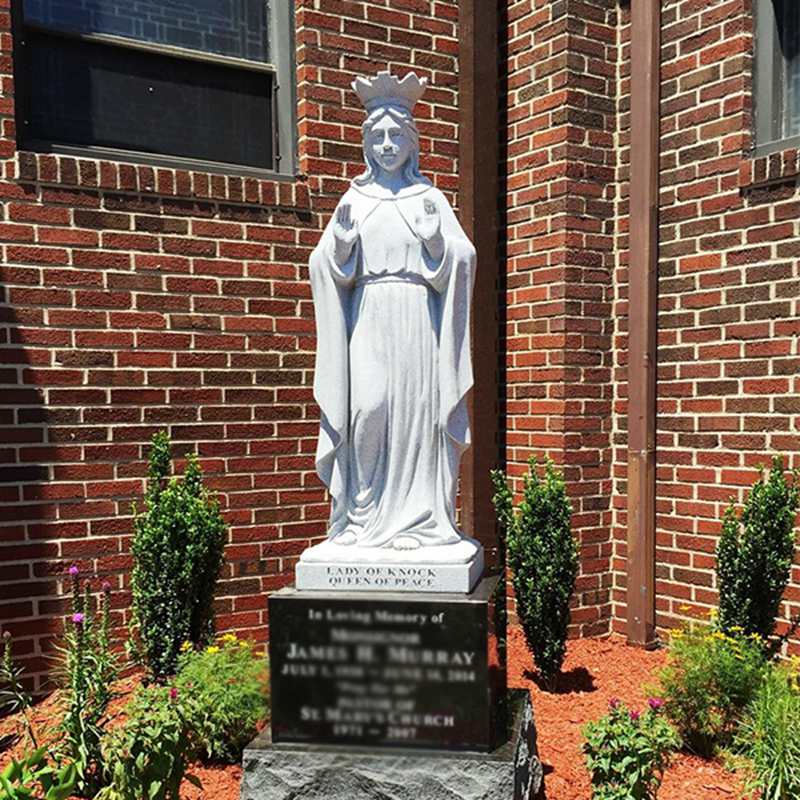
[(643, 319), (478, 202)]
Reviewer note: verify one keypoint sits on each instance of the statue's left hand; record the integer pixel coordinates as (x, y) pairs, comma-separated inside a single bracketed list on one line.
[(429, 229)]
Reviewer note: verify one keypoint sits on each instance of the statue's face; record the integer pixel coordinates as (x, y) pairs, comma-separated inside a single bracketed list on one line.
[(389, 144)]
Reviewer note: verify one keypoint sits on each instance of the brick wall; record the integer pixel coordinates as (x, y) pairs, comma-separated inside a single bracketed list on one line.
[(729, 283), (729, 301), (138, 298), (561, 80)]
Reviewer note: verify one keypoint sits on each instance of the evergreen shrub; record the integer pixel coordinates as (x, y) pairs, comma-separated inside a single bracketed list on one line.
[(756, 551), (177, 549), (543, 556)]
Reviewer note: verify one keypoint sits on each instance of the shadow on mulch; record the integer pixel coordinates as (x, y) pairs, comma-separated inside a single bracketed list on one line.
[(578, 680)]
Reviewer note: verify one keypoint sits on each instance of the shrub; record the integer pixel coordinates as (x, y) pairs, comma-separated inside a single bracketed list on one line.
[(770, 736), (148, 756), (543, 556), (627, 752), (88, 669), (225, 687), (755, 553), (178, 551), (709, 680)]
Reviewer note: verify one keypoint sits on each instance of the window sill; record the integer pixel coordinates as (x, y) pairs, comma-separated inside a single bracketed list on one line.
[(80, 173), (768, 171)]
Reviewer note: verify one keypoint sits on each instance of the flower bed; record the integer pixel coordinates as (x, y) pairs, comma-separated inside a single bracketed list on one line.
[(595, 671)]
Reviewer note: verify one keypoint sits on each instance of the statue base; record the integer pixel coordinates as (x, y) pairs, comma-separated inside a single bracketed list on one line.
[(511, 771), (402, 696), (452, 568)]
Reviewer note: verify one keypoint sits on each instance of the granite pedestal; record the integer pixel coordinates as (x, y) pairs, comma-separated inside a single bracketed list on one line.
[(511, 771), (392, 696)]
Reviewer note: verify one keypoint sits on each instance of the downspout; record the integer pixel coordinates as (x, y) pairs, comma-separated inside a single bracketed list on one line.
[(643, 320)]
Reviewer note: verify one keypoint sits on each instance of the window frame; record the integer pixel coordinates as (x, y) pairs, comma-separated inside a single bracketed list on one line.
[(768, 84), (284, 103)]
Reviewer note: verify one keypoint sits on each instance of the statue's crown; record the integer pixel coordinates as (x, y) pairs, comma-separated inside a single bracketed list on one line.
[(386, 89)]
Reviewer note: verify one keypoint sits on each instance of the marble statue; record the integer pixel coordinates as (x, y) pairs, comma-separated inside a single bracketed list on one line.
[(392, 280)]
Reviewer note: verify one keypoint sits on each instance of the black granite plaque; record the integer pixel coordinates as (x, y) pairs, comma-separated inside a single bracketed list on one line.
[(414, 670)]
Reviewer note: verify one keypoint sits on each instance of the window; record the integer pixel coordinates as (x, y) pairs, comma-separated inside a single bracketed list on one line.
[(777, 79), (197, 83)]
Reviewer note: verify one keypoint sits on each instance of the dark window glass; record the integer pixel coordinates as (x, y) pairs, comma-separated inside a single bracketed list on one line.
[(87, 93), (225, 27), (777, 84), (192, 79), (788, 16)]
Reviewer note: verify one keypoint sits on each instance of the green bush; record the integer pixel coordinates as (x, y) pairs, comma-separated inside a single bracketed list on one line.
[(627, 752), (770, 736), (226, 696), (178, 551), (755, 553), (87, 671), (148, 756), (708, 681), (543, 556)]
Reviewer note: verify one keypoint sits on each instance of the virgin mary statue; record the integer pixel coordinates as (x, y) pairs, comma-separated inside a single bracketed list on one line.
[(392, 280)]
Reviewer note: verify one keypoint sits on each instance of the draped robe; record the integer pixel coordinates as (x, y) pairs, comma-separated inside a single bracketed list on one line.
[(393, 368)]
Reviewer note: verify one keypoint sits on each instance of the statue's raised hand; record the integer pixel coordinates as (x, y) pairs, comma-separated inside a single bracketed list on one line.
[(345, 233), (429, 229)]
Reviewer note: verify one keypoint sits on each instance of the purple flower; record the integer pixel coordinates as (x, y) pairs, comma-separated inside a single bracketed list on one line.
[(78, 618), (614, 702), (173, 693), (635, 716), (656, 703), (74, 571), (106, 587)]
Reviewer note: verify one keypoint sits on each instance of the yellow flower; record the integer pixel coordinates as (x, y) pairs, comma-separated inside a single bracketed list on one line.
[(213, 649), (186, 647), (229, 638), (684, 607)]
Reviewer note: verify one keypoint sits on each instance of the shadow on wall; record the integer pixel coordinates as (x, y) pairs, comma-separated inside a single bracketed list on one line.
[(28, 554)]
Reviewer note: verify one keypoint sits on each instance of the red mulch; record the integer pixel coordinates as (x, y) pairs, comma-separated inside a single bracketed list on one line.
[(595, 671)]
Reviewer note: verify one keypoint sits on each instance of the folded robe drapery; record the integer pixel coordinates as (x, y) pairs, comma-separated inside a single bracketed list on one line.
[(332, 288)]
